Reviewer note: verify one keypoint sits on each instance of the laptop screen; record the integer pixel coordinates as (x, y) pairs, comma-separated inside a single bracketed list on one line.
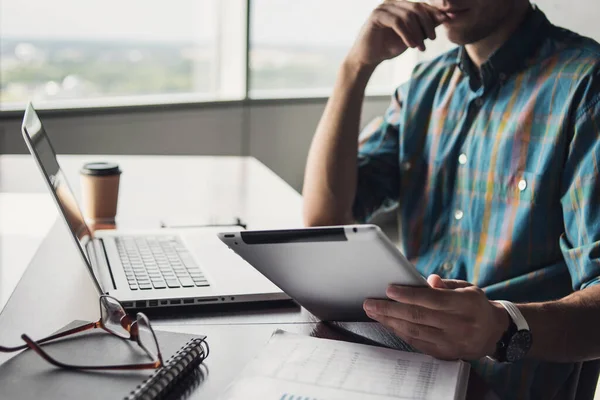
[(42, 150)]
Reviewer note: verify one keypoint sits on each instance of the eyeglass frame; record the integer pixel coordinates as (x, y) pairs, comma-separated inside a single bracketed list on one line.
[(127, 322)]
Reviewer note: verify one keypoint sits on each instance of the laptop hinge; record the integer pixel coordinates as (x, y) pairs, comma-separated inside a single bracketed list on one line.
[(100, 264)]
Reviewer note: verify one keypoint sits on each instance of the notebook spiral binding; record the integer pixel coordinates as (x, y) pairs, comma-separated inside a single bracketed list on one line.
[(178, 377)]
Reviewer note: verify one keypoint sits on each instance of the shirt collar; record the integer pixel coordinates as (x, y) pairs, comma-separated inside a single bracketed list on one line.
[(511, 56)]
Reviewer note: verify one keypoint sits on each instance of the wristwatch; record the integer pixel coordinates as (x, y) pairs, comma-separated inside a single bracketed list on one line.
[(516, 341)]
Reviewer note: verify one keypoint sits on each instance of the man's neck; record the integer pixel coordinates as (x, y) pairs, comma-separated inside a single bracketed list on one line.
[(480, 51)]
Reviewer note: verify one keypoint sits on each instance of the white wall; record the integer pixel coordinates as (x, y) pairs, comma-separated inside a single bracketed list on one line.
[(280, 135), (580, 16)]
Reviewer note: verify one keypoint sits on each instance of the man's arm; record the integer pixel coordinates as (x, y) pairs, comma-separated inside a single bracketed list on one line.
[(331, 171), (566, 330)]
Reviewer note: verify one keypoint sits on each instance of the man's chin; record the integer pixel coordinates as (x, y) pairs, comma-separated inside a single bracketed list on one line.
[(459, 38), (462, 35)]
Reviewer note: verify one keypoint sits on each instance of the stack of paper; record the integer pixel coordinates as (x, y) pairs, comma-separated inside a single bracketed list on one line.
[(294, 367)]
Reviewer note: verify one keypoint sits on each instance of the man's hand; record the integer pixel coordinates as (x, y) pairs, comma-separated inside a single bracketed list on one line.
[(450, 320), (393, 27)]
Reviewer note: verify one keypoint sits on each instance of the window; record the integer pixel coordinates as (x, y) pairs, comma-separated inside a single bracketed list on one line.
[(297, 47), (102, 52), (73, 53)]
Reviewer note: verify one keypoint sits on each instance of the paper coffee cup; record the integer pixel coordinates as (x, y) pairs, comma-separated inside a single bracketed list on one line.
[(100, 191)]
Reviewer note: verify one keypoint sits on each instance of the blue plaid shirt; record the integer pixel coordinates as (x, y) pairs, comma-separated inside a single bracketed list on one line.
[(495, 177)]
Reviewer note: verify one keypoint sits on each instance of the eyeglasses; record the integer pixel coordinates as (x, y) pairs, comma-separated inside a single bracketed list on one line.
[(114, 320)]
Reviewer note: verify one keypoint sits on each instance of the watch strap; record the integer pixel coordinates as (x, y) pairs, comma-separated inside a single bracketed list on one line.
[(515, 314)]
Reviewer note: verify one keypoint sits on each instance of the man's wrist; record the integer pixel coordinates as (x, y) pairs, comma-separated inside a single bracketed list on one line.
[(352, 70), (502, 324)]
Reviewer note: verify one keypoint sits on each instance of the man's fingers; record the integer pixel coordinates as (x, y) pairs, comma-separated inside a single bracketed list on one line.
[(456, 284), (424, 339), (427, 23), (408, 330), (435, 281), (438, 16), (397, 24), (408, 20), (418, 33), (435, 299), (409, 312)]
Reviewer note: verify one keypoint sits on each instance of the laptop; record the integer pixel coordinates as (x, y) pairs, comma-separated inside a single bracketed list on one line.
[(150, 268)]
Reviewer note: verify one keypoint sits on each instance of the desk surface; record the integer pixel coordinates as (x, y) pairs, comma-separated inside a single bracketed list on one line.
[(55, 288)]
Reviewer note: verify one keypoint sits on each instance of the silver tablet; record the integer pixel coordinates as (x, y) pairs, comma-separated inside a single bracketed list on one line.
[(330, 271)]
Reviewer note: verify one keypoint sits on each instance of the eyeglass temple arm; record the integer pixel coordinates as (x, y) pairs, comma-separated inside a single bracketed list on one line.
[(72, 331), (36, 347)]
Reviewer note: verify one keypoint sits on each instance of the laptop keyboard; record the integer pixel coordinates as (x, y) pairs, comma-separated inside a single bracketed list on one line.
[(158, 262)]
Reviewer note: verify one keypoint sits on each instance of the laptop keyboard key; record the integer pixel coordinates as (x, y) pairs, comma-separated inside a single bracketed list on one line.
[(173, 283), (188, 261), (186, 282), (159, 284), (145, 286)]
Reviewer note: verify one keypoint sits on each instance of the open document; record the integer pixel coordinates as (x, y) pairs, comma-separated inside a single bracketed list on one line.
[(294, 367)]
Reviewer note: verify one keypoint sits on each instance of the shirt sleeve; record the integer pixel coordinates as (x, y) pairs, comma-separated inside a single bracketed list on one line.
[(580, 244), (378, 183)]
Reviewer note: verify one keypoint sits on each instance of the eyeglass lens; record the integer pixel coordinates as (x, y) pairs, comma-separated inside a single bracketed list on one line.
[(146, 337), (114, 317)]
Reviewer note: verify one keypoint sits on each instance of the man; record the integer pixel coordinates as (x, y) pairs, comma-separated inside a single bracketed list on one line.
[(491, 155)]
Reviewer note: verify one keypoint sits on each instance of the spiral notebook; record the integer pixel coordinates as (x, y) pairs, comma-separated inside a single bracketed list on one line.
[(28, 376), (177, 377)]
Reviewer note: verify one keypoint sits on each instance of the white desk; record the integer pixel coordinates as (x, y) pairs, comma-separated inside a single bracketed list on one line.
[(25, 219), (55, 288)]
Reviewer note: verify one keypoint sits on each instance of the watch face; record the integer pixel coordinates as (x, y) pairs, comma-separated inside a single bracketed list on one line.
[(519, 345)]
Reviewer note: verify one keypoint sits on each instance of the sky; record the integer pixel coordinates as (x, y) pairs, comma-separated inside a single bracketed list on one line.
[(329, 22)]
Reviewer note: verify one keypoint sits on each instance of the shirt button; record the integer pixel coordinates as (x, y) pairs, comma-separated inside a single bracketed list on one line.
[(522, 185), (458, 215), (462, 159), (502, 76), (447, 267), (479, 102), (406, 165)]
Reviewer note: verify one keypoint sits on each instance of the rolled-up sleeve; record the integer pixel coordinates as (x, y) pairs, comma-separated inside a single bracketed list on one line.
[(378, 164), (580, 244)]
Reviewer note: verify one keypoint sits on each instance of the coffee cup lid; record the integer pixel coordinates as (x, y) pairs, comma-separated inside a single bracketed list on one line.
[(101, 169)]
